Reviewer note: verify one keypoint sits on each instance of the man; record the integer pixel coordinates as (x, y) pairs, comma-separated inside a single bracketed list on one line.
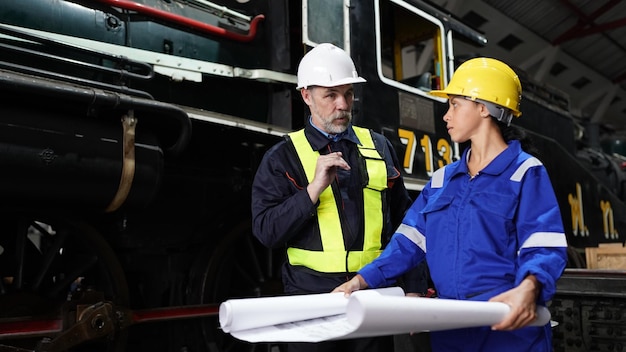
[(330, 193)]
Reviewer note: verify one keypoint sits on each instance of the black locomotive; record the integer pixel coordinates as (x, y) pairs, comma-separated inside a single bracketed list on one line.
[(131, 130)]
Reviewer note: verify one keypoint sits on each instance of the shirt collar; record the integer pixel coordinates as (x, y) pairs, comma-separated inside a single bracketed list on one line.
[(497, 165), (320, 139)]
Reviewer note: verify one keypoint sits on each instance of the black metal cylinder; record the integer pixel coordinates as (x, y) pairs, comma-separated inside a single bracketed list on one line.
[(48, 159)]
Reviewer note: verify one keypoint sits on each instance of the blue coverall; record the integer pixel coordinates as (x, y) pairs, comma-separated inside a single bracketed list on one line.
[(482, 236)]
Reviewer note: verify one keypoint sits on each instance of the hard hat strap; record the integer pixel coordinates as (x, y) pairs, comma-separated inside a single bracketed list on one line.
[(500, 113)]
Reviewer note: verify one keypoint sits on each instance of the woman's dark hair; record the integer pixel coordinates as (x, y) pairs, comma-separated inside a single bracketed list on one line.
[(511, 132)]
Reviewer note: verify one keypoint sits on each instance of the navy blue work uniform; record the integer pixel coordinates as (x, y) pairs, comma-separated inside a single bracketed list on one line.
[(284, 216)]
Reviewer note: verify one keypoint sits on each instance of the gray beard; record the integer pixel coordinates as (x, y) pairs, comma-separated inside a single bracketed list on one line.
[(336, 129)]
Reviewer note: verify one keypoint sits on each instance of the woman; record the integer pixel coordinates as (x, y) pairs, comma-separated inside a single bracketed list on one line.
[(488, 225)]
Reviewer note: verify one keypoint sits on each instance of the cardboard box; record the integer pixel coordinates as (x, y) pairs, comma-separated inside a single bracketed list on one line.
[(606, 256)]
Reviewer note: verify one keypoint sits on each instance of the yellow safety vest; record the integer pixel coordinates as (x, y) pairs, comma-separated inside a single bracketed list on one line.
[(334, 258)]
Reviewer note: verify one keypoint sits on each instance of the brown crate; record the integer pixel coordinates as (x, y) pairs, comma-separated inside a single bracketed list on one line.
[(606, 257)]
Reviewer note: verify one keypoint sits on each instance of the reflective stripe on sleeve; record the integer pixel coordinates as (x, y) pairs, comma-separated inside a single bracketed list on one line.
[(545, 239), (521, 170), (413, 235), (437, 180)]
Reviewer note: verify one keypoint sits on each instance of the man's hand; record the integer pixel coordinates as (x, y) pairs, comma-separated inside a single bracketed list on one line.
[(325, 173)]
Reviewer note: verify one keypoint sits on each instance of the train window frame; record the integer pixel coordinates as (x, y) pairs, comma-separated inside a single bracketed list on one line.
[(442, 39), (310, 29)]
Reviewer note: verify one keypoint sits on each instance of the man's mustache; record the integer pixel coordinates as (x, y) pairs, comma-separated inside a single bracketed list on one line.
[(343, 115)]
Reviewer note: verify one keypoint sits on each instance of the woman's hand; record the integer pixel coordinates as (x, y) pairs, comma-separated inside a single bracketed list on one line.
[(522, 300), (355, 284)]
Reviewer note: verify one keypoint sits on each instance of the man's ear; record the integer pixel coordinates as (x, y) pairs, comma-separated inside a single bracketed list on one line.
[(306, 95)]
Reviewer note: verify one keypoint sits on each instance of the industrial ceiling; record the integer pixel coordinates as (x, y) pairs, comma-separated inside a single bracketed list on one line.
[(575, 46)]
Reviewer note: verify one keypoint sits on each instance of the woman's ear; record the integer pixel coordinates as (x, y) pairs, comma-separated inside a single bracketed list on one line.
[(484, 112)]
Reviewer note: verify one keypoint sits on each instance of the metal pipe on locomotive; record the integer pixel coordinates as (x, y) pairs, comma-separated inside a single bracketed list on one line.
[(130, 135)]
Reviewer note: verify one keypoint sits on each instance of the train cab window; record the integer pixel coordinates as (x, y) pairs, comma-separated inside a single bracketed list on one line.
[(411, 50), (323, 22)]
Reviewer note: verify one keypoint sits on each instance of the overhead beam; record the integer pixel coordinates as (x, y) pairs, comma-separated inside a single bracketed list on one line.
[(620, 78), (579, 33), (586, 24)]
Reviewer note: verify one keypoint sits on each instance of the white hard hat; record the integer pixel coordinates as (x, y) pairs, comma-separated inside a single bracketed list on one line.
[(328, 66)]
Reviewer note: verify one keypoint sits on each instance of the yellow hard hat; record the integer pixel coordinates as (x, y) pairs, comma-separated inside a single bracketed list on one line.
[(488, 80)]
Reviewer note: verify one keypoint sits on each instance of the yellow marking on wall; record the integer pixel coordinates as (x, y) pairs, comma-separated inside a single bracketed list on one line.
[(607, 220), (408, 138), (445, 152), (427, 148), (578, 218)]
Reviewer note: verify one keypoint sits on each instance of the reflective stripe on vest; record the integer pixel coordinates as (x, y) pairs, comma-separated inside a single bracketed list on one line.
[(332, 257)]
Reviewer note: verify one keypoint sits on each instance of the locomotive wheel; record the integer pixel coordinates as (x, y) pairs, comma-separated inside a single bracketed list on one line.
[(50, 268), (239, 267)]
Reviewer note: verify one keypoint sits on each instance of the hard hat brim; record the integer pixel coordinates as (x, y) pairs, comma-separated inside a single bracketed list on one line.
[(341, 82), (446, 94), (440, 93)]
